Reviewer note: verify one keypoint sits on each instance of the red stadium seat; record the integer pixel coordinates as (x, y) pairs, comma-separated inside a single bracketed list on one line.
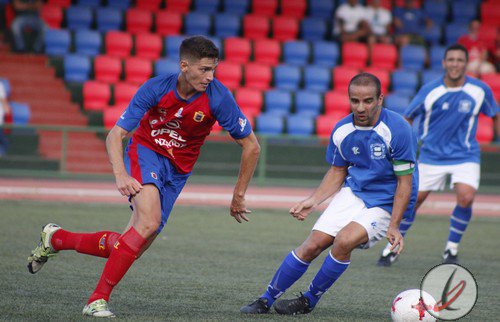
[(490, 13), (493, 80), (401, 3), (123, 93), (285, 28), (107, 69), (267, 51), (384, 3), (383, 75), (52, 15), (258, 76), (181, 6), (250, 100), (96, 96), (151, 5), (488, 34), (168, 23), (237, 50), (118, 44), (354, 54), (264, 7), (294, 8), (337, 102), (148, 46), (485, 131), (60, 3), (342, 75), (256, 27), (137, 70), (229, 73), (384, 56), (138, 20), (325, 123), (111, 115)]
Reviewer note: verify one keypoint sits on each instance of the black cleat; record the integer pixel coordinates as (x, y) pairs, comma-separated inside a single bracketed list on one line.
[(259, 306), (387, 260), (449, 258), (299, 305)]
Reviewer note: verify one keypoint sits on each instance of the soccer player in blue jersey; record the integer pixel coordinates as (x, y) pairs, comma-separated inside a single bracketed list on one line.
[(372, 179), (172, 115), (448, 109)]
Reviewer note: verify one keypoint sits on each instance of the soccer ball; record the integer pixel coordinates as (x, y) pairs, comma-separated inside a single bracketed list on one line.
[(408, 306)]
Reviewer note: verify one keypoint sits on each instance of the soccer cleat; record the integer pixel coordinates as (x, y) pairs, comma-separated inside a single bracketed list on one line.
[(387, 258), (259, 306), (44, 250), (299, 305), (98, 309), (449, 258)]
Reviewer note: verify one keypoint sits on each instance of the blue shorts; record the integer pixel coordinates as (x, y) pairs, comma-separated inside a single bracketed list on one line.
[(149, 167)]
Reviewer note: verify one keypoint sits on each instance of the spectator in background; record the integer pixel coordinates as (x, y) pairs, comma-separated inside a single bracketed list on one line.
[(4, 110), (379, 20), (410, 22), (478, 51), (27, 18), (351, 22)]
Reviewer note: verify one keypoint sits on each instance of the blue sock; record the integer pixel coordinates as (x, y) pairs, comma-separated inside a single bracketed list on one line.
[(288, 273), (458, 223), (329, 272)]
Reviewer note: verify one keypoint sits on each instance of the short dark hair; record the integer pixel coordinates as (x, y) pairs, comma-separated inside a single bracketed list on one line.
[(198, 47), (457, 47), (366, 79)]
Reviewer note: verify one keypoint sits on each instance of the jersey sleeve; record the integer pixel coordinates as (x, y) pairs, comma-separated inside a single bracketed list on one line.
[(334, 154), (230, 117), (416, 106), (404, 150), (489, 107)]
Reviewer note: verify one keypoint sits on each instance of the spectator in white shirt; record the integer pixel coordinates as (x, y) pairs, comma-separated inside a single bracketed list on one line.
[(351, 22), (379, 19)]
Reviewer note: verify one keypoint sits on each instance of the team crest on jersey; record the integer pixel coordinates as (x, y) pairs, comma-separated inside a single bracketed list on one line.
[(154, 176), (464, 106), (242, 122), (355, 150), (198, 116), (178, 114), (377, 151), (446, 106)]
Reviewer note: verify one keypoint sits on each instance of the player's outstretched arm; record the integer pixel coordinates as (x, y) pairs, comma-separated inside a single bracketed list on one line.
[(249, 157), (126, 185), (401, 200)]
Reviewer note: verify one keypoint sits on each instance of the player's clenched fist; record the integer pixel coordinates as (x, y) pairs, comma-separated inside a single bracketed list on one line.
[(127, 185)]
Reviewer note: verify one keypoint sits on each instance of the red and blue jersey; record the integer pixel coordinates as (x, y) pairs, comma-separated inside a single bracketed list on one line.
[(177, 128)]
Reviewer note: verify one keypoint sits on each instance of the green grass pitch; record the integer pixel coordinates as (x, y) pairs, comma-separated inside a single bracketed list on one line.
[(205, 266)]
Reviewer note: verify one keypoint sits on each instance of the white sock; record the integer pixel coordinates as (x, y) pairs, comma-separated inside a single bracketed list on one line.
[(387, 249), (452, 247)]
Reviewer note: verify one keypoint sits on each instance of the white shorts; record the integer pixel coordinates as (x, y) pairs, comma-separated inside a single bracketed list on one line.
[(433, 177), (344, 208)]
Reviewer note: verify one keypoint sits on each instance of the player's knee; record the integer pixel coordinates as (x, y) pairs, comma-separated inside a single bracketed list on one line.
[(147, 227), (309, 251), (465, 200), (343, 243)]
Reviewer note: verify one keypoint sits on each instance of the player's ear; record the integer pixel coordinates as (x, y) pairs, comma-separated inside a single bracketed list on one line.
[(381, 99), (183, 64)]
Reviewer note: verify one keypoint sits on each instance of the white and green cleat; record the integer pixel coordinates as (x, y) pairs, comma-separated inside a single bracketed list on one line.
[(98, 309), (44, 250)]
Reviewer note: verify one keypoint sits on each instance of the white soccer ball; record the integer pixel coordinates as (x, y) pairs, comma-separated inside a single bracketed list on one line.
[(407, 306)]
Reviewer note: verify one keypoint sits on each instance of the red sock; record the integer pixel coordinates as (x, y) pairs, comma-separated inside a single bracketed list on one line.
[(122, 257), (96, 244)]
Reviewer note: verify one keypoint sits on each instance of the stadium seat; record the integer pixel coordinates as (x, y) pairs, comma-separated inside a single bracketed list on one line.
[(150, 5), (60, 3), (52, 15), (88, 42), (230, 74), (172, 44), (485, 133), (6, 85), (168, 23), (278, 102), (138, 21), (207, 6), (118, 44), (111, 115), (433, 34), (436, 55), (181, 6), (196, 23), (452, 32), (287, 77), (237, 7), (79, 18), (325, 53), (250, 100), (264, 7), (271, 124), (285, 28), (166, 66), (76, 68), (354, 54), (336, 101), (137, 70), (463, 12), (57, 42), (493, 80), (308, 102), (296, 52), (490, 13), (148, 45), (256, 26), (384, 56), (313, 29), (437, 11), (384, 77), (237, 50), (119, 4), (397, 102), (258, 76), (227, 25), (413, 57), (89, 3), (317, 78), (488, 34), (21, 113), (321, 8), (96, 96), (404, 82), (267, 51), (300, 124), (326, 123), (342, 76), (108, 19), (294, 8), (123, 93), (107, 69), (430, 75)]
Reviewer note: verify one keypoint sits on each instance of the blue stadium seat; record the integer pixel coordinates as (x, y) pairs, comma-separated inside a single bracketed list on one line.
[(88, 42), (433, 34), (237, 7), (317, 78), (436, 54), (325, 53), (437, 11), (196, 23), (57, 42), (463, 11), (453, 31), (397, 102), (172, 44), (412, 57), (119, 4), (308, 102), (76, 68), (89, 3), (300, 124), (430, 75), (227, 25), (404, 82), (207, 6), (278, 102), (166, 66), (21, 113), (321, 8), (313, 28), (296, 52), (270, 123), (109, 19), (79, 17), (6, 85), (287, 77)]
